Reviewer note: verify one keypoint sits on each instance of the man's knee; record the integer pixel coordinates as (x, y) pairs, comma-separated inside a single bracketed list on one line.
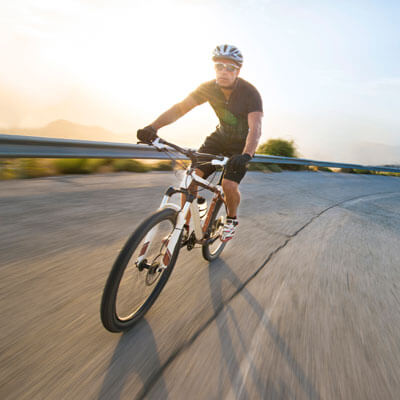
[(230, 186)]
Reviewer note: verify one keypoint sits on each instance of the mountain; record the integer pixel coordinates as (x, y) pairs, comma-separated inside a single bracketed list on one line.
[(371, 153), (62, 129)]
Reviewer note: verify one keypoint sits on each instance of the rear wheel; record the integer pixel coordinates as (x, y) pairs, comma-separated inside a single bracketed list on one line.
[(213, 247), (135, 283)]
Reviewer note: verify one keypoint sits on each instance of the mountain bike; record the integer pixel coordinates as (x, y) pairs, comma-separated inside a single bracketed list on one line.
[(146, 261)]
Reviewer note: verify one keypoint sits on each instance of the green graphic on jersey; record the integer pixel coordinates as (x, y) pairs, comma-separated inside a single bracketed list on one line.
[(227, 117)]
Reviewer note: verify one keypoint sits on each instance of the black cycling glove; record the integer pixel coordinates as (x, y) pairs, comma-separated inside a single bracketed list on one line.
[(238, 162), (147, 134)]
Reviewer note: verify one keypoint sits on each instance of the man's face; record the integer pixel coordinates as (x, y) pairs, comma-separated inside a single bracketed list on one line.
[(224, 77)]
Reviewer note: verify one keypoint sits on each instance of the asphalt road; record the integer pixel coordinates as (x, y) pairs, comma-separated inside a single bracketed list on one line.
[(303, 304)]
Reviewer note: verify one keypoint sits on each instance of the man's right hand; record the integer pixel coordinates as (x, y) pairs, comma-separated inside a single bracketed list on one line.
[(147, 134)]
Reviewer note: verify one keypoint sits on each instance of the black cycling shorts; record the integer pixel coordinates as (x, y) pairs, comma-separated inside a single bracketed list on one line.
[(214, 144)]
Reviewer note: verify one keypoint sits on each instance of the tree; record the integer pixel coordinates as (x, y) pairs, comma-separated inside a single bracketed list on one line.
[(278, 147)]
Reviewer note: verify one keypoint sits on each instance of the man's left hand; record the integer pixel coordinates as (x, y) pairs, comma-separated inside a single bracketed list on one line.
[(238, 161)]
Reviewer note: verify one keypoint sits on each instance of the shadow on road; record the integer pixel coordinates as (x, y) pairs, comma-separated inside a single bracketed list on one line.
[(265, 388), (125, 365)]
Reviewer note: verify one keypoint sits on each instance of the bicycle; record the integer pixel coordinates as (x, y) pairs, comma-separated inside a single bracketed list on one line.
[(146, 261)]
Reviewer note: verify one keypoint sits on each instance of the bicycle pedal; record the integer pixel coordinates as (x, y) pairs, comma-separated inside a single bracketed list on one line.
[(191, 241)]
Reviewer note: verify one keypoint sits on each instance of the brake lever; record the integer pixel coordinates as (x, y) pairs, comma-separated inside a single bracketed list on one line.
[(154, 144)]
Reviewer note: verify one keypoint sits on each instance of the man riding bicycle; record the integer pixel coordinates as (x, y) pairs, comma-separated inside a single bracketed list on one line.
[(238, 106)]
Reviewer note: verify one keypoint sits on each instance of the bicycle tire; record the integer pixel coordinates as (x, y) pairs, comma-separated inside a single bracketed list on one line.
[(211, 253), (110, 314)]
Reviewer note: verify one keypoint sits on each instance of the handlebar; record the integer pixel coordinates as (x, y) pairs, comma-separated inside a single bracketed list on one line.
[(192, 154)]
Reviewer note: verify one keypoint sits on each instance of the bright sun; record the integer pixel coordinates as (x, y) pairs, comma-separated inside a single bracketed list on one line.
[(139, 61)]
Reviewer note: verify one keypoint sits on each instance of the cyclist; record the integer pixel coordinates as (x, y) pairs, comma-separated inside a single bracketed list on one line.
[(238, 106)]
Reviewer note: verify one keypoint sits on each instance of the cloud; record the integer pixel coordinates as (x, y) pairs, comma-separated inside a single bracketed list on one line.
[(391, 83)]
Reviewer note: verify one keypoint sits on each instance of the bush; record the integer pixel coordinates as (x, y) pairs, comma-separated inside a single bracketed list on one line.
[(278, 147), (347, 170), (164, 166), (281, 148), (259, 167), (130, 166), (27, 168), (274, 168), (324, 169), (96, 164), (7, 171), (387, 173), (72, 166), (362, 171), (294, 167), (264, 167)]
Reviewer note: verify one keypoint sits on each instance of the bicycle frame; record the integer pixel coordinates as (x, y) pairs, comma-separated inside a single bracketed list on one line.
[(199, 228)]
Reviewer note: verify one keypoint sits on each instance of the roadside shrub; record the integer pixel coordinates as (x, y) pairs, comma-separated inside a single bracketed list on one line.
[(274, 168), (347, 170), (259, 167), (72, 166), (282, 148), (6, 170), (362, 171), (27, 168), (278, 147), (388, 173), (164, 166), (130, 166), (96, 164), (324, 169), (294, 167)]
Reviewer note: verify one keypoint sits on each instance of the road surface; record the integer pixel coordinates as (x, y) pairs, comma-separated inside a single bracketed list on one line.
[(303, 304)]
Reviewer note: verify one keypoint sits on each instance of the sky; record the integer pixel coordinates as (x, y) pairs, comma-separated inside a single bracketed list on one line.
[(328, 71)]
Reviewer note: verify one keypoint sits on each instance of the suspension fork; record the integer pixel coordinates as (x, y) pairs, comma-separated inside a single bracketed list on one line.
[(172, 241)]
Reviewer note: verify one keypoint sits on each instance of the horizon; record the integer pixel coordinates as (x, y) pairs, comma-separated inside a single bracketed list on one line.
[(328, 73), (368, 153)]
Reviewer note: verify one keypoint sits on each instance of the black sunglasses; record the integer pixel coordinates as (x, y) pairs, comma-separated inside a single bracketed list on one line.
[(229, 67)]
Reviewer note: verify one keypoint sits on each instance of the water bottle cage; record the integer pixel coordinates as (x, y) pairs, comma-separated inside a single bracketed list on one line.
[(202, 204)]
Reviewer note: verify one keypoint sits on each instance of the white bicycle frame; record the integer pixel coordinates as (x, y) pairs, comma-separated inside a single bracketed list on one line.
[(182, 212)]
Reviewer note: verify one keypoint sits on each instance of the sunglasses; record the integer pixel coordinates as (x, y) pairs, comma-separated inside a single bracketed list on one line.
[(229, 67)]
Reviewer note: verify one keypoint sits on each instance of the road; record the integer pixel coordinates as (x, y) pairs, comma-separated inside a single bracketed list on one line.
[(303, 304)]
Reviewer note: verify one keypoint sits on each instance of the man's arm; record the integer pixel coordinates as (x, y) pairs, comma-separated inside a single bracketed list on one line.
[(174, 113), (254, 121)]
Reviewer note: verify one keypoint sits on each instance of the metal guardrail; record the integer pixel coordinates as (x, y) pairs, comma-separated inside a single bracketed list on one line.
[(16, 146)]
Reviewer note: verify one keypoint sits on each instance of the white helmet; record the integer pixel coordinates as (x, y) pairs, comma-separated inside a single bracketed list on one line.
[(228, 51)]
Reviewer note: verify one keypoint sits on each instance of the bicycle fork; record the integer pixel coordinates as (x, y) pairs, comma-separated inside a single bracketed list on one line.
[(170, 242)]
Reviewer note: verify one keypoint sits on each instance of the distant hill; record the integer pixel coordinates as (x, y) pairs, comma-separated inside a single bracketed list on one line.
[(371, 153), (62, 129), (361, 152)]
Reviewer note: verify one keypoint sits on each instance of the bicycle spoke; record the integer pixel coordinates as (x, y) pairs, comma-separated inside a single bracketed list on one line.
[(139, 278)]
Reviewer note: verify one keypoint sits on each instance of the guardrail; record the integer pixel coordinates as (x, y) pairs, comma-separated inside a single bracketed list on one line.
[(16, 146)]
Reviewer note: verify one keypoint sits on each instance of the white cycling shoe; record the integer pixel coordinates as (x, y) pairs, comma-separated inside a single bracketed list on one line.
[(229, 229)]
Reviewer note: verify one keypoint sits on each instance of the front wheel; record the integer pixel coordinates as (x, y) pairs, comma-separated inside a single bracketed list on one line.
[(214, 246), (135, 281)]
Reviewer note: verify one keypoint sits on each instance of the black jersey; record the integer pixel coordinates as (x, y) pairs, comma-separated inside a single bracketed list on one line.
[(232, 113)]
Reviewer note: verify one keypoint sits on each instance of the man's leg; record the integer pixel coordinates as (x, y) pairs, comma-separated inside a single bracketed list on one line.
[(232, 196)]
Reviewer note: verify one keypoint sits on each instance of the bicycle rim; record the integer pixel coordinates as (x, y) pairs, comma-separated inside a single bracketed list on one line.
[(135, 283)]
